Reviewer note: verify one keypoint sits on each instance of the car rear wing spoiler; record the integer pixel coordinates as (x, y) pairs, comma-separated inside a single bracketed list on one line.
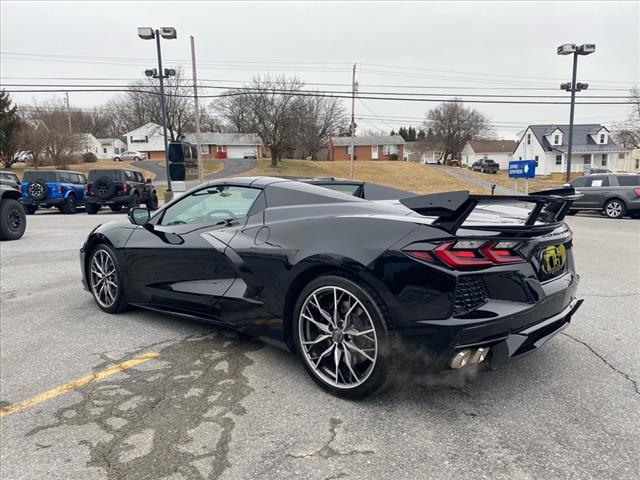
[(453, 208)]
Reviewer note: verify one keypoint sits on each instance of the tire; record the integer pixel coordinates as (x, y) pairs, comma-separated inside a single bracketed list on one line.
[(136, 159), (116, 159), (107, 292), (134, 201), (104, 188), (614, 208), (31, 209), (364, 360), (13, 220), (38, 190), (91, 208), (70, 205), (152, 203), (116, 208)]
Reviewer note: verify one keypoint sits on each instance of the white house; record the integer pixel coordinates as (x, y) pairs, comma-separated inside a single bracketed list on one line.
[(87, 143), (547, 145), (499, 150), (227, 145), (149, 139), (110, 147)]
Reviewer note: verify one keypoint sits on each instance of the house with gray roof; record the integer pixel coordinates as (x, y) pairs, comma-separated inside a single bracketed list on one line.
[(227, 145), (368, 147), (593, 147)]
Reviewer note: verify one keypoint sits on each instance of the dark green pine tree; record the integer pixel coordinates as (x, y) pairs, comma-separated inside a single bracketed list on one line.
[(9, 125)]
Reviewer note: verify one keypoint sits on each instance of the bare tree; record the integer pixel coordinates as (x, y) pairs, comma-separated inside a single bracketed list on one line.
[(628, 133), (32, 137), (268, 106), (318, 118), (57, 142), (453, 125)]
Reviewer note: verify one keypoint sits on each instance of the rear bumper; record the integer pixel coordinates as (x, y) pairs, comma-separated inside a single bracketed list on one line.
[(509, 329), (47, 202), (111, 201)]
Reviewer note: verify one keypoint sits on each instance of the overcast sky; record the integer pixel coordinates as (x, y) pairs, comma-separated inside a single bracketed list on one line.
[(460, 48)]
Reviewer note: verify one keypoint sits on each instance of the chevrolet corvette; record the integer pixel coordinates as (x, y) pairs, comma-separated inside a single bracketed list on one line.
[(350, 284)]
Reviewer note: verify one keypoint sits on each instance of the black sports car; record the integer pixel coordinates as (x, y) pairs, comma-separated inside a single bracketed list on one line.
[(344, 281)]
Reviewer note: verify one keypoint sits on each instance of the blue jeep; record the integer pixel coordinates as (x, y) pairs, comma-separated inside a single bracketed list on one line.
[(53, 188)]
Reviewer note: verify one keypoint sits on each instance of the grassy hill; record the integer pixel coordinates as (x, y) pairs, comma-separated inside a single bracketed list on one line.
[(405, 175)]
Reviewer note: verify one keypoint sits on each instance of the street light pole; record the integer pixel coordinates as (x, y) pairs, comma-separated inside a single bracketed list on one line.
[(573, 106), (164, 110), (353, 119)]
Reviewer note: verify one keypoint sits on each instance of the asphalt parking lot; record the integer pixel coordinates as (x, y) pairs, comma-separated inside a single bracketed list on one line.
[(213, 404)]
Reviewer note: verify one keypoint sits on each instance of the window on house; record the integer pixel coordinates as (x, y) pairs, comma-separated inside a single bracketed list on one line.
[(220, 148), (558, 159), (528, 139), (604, 159), (140, 139), (104, 149), (536, 159), (519, 158), (204, 149), (637, 163), (602, 138), (556, 139), (389, 149)]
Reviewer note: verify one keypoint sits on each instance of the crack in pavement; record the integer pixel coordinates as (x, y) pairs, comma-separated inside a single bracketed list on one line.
[(174, 414), (326, 450), (605, 361)]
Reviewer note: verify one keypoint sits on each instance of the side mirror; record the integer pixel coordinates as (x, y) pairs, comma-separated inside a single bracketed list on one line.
[(139, 215), (148, 180)]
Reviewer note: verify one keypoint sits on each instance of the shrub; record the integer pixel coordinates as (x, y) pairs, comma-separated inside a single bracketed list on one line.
[(394, 156), (89, 157)]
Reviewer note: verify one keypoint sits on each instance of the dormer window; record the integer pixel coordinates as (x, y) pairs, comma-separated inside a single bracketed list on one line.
[(603, 138), (556, 139)]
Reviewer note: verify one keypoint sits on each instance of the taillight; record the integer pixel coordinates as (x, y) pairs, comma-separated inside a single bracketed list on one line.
[(637, 192), (86, 188), (125, 187), (471, 253), (59, 189)]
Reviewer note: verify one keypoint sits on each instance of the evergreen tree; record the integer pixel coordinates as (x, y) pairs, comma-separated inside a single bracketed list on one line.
[(9, 126)]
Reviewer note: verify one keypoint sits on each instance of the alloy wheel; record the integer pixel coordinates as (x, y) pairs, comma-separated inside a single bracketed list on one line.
[(35, 190), (614, 209), (338, 337), (104, 280)]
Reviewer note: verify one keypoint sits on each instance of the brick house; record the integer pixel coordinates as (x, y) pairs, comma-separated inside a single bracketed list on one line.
[(374, 147), (228, 145)]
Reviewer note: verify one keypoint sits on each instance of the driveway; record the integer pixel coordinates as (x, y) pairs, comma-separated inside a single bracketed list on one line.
[(211, 404), (466, 175), (232, 166)]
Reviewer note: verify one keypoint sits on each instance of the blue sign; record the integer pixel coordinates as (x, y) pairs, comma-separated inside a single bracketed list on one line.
[(522, 169)]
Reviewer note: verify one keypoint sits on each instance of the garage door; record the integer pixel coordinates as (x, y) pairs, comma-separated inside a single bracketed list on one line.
[(238, 151)]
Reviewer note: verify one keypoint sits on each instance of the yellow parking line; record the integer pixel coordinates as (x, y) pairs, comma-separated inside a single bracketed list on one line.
[(67, 387)]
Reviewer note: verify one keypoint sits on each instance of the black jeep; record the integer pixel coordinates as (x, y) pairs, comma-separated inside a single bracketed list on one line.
[(119, 188), (12, 217)]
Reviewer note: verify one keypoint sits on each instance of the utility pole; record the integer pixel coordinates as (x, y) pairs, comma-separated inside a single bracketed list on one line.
[(353, 117), (197, 110), (68, 114), (163, 108), (573, 105)]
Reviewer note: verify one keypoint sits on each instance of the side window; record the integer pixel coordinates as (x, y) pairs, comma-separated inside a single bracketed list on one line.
[(598, 181), (64, 177), (211, 205), (139, 177), (129, 176), (628, 180), (82, 179), (579, 182)]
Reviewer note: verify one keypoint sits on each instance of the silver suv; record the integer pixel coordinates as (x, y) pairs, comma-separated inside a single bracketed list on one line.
[(615, 194)]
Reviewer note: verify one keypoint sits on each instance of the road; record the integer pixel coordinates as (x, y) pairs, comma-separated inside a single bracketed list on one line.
[(214, 405), (231, 167)]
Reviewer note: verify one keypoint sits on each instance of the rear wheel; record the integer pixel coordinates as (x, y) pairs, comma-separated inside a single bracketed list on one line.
[(92, 208), (136, 159), (105, 280), (13, 220), (152, 203), (614, 208), (70, 204), (340, 334)]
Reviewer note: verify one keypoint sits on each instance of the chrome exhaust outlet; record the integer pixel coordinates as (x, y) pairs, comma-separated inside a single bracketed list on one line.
[(468, 357)]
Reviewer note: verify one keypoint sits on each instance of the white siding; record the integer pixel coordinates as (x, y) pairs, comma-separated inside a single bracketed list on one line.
[(529, 151), (147, 138)]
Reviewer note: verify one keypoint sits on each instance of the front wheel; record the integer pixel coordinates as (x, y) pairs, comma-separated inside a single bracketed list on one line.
[(152, 203), (614, 208), (116, 159), (105, 280), (116, 207), (341, 335), (13, 220), (70, 205), (136, 159), (134, 201)]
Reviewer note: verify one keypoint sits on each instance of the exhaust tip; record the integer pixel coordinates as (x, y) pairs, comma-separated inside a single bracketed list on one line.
[(468, 356)]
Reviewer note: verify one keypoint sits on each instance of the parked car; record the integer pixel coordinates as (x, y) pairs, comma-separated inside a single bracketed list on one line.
[(349, 284), (10, 179), (250, 154), (129, 156), (117, 188), (485, 165), (614, 194), (63, 189), (22, 156), (13, 220)]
